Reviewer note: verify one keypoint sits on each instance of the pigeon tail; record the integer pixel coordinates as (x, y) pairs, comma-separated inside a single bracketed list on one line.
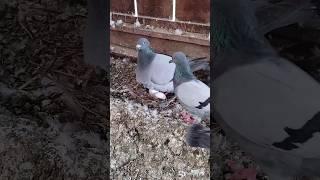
[(199, 64), (198, 136)]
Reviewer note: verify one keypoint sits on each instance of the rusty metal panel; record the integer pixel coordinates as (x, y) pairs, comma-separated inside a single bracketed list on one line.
[(155, 8), (195, 11), (122, 6)]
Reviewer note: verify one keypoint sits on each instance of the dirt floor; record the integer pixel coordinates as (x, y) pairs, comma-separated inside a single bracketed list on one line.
[(148, 135), (51, 125)]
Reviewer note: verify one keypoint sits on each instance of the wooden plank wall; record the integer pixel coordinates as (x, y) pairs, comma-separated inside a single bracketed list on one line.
[(122, 6), (155, 8), (193, 11), (192, 17)]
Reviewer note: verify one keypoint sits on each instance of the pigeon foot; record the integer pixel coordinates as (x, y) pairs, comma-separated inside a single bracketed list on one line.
[(187, 118)]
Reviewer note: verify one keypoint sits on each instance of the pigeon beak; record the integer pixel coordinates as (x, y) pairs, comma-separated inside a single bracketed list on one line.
[(138, 46)]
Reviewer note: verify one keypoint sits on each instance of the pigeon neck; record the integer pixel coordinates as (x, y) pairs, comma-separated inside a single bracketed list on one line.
[(182, 74), (235, 27), (145, 57)]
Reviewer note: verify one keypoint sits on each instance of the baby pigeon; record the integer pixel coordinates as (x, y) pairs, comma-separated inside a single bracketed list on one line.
[(268, 105), (154, 70)]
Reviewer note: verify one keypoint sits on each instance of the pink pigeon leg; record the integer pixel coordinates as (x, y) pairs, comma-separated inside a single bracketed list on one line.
[(240, 173), (187, 118)]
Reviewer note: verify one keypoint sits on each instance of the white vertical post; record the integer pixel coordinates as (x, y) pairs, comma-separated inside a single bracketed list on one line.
[(135, 8), (173, 10)]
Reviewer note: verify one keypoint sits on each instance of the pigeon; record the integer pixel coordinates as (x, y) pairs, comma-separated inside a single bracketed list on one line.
[(155, 72), (185, 86), (194, 96), (198, 136), (264, 102)]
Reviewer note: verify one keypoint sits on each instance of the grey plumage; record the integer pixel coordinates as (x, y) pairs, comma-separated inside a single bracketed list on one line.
[(198, 136), (154, 70), (267, 104), (192, 94)]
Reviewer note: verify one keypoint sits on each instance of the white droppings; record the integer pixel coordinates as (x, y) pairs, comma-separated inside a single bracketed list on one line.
[(137, 24), (178, 32), (119, 23), (112, 24)]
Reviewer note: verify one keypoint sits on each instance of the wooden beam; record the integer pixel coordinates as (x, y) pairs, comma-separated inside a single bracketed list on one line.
[(192, 27), (162, 42)]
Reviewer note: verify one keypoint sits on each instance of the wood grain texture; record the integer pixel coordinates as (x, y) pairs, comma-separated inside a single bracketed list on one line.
[(165, 23), (195, 11), (122, 6), (162, 42), (155, 8)]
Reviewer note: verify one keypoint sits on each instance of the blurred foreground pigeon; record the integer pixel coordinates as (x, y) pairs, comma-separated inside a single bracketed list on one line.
[(267, 104), (154, 70)]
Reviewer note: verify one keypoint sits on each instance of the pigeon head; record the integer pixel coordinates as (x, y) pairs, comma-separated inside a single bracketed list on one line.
[(236, 35), (179, 58), (235, 25), (183, 71), (142, 43)]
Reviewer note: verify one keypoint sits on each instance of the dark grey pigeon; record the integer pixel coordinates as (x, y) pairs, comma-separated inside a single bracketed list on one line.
[(267, 104), (154, 70), (192, 94)]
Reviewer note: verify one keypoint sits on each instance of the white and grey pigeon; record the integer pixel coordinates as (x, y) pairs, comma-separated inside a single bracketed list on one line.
[(155, 72), (268, 105), (194, 96)]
